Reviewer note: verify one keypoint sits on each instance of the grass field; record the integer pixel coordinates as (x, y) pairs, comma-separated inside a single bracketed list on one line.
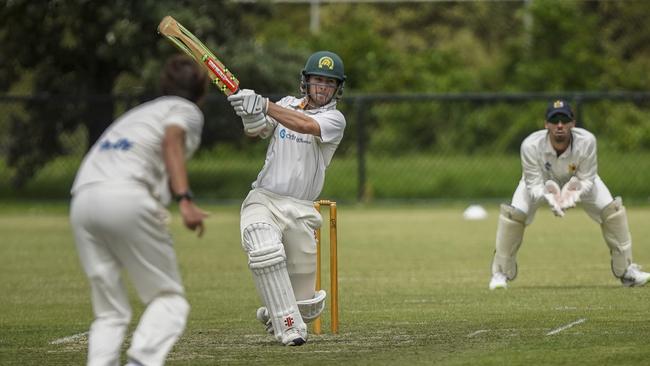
[(413, 291)]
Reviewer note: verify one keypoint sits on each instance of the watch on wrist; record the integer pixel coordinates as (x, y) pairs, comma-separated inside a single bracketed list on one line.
[(187, 195)]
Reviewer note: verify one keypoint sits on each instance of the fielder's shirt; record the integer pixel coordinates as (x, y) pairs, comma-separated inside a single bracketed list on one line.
[(295, 162), (131, 147), (540, 161)]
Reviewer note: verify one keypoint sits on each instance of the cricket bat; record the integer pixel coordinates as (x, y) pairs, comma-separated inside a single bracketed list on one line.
[(188, 43)]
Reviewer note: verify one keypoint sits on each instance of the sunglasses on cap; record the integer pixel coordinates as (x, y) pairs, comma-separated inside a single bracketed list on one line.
[(560, 118)]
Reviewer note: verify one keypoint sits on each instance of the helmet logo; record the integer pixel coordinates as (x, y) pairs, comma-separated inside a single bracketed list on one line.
[(558, 104), (326, 62)]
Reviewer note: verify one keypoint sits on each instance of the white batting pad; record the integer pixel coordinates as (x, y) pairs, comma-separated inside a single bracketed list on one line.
[(267, 261), (617, 236), (312, 308), (510, 234)]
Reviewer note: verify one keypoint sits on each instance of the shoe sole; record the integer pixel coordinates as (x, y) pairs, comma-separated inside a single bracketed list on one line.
[(296, 342)]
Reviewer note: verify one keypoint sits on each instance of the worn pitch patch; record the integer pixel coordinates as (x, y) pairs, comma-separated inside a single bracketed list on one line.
[(69, 339)]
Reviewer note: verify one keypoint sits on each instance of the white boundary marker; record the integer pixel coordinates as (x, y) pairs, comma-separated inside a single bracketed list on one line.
[(69, 339), (565, 327)]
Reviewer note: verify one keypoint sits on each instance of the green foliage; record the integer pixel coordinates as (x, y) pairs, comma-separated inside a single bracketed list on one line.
[(84, 49), (81, 49)]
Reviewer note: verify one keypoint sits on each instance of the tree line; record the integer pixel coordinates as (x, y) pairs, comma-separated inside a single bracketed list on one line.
[(85, 49)]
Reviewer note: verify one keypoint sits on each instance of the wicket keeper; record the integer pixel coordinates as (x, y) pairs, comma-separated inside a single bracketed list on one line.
[(560, 169), (278, 218)]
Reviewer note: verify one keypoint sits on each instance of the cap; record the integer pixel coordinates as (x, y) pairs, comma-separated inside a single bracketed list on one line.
[(558, 106)]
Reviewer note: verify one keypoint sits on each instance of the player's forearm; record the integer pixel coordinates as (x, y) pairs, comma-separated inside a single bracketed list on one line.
[(293, 120), (173, 154)]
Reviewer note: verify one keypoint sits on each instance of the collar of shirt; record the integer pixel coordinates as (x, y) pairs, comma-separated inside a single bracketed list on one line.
[(549, 149), (302, 102)]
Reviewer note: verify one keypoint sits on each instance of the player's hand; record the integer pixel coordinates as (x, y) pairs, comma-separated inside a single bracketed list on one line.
[(570, 194), (254, 123), (192, 216), (552, 194), (247, 102)]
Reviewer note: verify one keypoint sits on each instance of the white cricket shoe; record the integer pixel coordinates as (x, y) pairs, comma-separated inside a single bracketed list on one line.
[(499, 280), (264, 318), (296, 336), (633, 276)]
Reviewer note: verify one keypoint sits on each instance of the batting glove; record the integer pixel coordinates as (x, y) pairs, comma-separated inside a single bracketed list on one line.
[(247, 102), (552, 194), (253, 123)]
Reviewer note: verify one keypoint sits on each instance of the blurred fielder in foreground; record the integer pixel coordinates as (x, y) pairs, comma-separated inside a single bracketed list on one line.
[(278, 217), (562, 155), (119, 221)]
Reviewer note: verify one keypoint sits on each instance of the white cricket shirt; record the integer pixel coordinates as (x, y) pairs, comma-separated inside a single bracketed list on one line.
[(295, 162), (540, 161), (131, 147)]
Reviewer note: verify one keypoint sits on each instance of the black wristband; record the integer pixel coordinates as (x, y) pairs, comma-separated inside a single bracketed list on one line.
[(187, 195)]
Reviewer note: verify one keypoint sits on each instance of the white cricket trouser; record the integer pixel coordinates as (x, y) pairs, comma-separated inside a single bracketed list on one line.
[(593, 202), (116, 226), (297, 221)]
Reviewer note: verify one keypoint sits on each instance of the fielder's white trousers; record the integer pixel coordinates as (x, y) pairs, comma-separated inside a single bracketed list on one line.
[(296, 220), (121, 226), (593, 202)]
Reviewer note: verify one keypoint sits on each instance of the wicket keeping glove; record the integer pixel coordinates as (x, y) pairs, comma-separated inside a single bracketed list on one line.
[(570, 194), (552, 194), (247, 102)]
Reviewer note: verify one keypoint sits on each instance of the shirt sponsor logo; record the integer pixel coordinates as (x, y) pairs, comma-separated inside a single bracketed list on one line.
[(547, 166), (287, 135), (572, 168), (121, 144)]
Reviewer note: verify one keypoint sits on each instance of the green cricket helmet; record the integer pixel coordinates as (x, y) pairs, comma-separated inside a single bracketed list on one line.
[(327, 64)]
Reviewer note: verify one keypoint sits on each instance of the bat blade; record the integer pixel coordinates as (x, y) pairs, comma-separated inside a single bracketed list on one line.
[(188, 43)]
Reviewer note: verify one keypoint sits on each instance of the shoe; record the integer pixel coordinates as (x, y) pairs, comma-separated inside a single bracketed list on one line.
[(295, 336), (264, 318), (499, 280), (633, 276)]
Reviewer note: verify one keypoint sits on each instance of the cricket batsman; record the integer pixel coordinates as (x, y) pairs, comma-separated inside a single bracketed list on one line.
[(278, 217), (119, 220), (560, 170)]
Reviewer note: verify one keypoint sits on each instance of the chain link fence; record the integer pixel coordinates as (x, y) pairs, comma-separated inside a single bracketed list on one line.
[(396, 147)]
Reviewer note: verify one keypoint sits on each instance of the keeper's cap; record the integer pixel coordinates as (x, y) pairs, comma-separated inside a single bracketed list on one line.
[(559, 106)]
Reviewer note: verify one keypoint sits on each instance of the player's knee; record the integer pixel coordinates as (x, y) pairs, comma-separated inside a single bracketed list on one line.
[(175, 304), (109, 297), (512, 213), (612, 210), (260, 235), (263, 246)]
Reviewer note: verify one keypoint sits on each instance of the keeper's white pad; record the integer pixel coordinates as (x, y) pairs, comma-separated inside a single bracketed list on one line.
[(312, 308), (267, 261), (510, 234), (617, 236)]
